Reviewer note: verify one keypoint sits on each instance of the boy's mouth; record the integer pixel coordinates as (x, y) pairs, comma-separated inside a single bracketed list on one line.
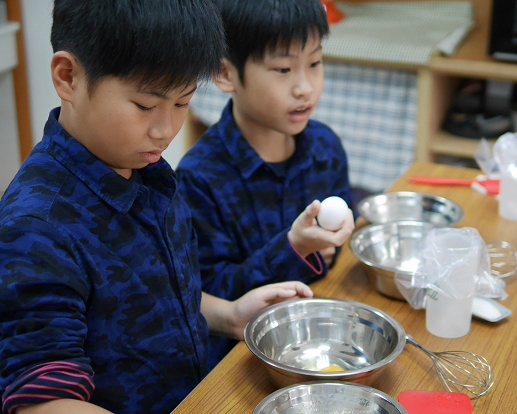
[(301, 110), (151, 157), (300, 114)]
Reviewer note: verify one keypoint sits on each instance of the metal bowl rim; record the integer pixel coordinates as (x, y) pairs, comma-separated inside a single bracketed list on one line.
[(361, 209), (401, 343), (308, 384), (374, 226)]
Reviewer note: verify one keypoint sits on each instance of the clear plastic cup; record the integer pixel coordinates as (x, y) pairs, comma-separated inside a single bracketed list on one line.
[(448, 317), (449, 307), (508, 197)]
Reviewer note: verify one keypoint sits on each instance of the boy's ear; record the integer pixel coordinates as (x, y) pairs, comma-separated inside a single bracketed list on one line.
[(65, 71), (228, 76)]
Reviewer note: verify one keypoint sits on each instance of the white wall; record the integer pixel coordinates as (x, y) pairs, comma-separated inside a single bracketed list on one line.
[(175, 150), (37, 21), (9, 147)]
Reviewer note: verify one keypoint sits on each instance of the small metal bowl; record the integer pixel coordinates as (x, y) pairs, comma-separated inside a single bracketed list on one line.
[(299, 338), (410, 206), (328, 397), (385, 249)]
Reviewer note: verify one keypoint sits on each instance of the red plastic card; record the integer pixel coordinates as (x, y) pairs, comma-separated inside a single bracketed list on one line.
[(435, 402)]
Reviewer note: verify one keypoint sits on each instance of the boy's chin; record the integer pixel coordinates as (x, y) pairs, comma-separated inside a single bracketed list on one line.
[(298, 128)]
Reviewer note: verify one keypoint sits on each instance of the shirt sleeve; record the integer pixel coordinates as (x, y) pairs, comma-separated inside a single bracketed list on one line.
[(47, 382), (42, 322), (227, 270)]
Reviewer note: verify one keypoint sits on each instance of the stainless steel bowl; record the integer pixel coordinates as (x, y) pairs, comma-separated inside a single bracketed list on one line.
[(385, 249), (329, 398), (299, 338), (410, 206)]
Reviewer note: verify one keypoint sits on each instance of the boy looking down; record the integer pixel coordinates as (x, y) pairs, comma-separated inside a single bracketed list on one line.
[(101, 308)]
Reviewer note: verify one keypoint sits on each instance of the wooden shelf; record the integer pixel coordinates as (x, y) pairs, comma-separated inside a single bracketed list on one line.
[(438, 82), (444, 143), (472, 60)]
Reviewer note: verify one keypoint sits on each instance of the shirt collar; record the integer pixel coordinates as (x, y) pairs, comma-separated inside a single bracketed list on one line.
[(244, 156), (111, 187), (247, 159)]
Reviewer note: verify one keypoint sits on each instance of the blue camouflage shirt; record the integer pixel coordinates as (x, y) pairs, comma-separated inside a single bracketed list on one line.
[(242, 207), (99, 284)]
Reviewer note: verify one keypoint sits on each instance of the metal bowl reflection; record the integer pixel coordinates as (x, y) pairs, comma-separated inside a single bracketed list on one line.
[(299, 338), (410, 206), (385, 249), (328, 398)]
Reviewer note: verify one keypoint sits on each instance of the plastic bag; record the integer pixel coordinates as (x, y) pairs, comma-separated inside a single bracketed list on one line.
[(505, 154), (454, 262), (485, 159)]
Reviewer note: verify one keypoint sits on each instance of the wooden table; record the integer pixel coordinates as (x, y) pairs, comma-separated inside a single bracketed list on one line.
[(240, 381)]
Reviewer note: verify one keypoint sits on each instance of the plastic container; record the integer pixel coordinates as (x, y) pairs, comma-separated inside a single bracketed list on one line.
[(489, 309), (508, 198), (449, 306)]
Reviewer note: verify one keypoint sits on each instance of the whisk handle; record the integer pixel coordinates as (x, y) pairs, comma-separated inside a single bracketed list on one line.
[(410, 339)]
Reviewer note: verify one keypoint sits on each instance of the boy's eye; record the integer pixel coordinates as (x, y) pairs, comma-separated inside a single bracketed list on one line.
[(186, 105), (283, 70), (144, 108), (314, 64)]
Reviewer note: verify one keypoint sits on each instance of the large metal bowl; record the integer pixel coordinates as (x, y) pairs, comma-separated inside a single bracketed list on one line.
[(299, 338), (410, 206), (329, 398), (385, 249)]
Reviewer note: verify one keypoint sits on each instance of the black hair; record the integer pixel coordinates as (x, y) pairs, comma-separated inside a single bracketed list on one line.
[(159, 43), (253, 27)]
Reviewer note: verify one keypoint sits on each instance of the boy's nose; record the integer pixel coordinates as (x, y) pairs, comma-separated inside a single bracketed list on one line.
[(303, 86), (162, 129)]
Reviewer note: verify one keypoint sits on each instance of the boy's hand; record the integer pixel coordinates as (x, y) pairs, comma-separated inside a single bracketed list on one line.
[(328, 254), (307, 237), (230, 318), (260, 298)]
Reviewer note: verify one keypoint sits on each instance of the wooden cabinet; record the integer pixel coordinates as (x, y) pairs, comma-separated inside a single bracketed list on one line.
[(438, 81), (437, 84)]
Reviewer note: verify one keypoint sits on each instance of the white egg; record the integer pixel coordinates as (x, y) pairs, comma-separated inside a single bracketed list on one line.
[(333, 213)]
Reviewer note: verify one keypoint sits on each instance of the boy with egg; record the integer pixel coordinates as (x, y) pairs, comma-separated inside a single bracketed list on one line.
[(254, 179)]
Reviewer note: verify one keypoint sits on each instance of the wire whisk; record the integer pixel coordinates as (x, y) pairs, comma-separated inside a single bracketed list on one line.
[(460, 371), (503, 259)]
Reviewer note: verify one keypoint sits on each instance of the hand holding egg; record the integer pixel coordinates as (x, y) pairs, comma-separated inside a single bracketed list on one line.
[(307, 237), (333, 213)]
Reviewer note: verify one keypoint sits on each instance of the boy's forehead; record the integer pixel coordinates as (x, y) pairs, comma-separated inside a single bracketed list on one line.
[(161, 90), (292, 48)]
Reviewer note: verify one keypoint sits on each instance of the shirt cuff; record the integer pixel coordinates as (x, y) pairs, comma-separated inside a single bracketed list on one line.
[(313, 261), (47, 382)]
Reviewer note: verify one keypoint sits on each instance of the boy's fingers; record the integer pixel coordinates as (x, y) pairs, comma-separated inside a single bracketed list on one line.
[(328, 254), (288, 289), (348, 224), (309, 214), (303, 290)]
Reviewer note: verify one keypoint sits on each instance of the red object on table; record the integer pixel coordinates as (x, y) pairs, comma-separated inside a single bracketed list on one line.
[(435, 402), (334, 15), (491, 186)]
